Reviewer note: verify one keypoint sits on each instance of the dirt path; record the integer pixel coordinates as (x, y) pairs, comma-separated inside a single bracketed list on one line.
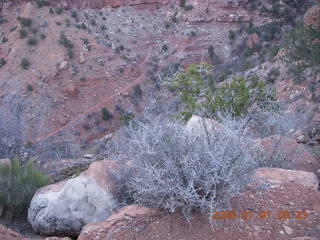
[(102, 102)]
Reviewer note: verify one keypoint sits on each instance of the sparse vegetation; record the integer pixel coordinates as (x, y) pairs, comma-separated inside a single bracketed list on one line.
[(4, 40), (24, 22), (42, 3), (213, 56), (63, 40), (188, 7), (3, 20), (106, 115), (32, 41), (125, 118), (232, 35), (302, 44), (137, 91), (29, 87), (2, 62), (273, 74), (234, 97), (18, 184), (74, 14), (179, 170), (58, 10), (25, 63), (23, 33)]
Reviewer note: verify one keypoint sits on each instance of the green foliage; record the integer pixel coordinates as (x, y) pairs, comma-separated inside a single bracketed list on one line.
[(296, 70), (29, 87), (2, 62), (3, 20), (213, 56), (13, 29), (273, 75), (18, 184), (137, 91), (23, 33), (32, 41), (188, 7), (270, 31), (24, 63), (106, 115), (302, 51), (273, 51), (302, 44), (59, 10), (24, 22), (74, 14), (232, 35), (126, 118), (63, 40), (182, 3), (4, 40), (198, 91), (42, 3)]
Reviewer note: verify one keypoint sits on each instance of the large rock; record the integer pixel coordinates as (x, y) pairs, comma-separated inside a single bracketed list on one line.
[(5, 161), (125, 214), (296, 155), (63, 208), (201, 125), (312, 16), (278, 177), (276, 191)]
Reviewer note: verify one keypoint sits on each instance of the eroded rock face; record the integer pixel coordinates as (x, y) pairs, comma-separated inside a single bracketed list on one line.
[(63, 208), (277, 177), (272, 189), (296, 155)]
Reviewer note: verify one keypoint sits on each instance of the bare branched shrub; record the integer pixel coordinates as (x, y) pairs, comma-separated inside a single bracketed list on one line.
[(268, 123), (176, 169), (11, 129)]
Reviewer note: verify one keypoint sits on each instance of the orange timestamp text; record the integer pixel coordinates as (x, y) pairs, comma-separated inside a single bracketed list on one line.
[(260, 214)]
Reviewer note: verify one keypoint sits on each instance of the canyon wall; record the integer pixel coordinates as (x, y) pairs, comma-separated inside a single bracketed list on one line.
[(90, 3)]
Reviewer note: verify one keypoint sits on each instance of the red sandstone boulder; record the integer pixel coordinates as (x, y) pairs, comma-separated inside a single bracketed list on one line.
[(296, 155), (312, 16), (253, 40)]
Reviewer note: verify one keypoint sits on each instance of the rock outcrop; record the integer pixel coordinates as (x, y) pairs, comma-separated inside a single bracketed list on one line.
[(63, 208), (312, 16), (277, 204), (296, 155)]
